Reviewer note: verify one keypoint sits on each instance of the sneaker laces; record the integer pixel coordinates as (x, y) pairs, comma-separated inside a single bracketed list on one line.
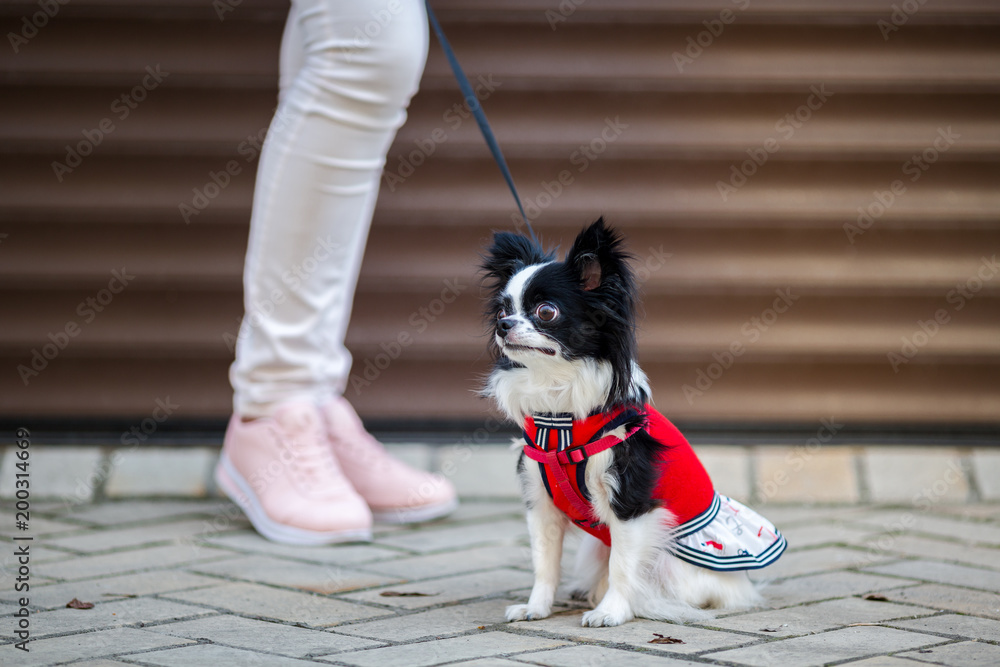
[(311, 459)]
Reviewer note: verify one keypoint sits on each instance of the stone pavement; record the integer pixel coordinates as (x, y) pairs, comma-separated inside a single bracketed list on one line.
[(186, 582)]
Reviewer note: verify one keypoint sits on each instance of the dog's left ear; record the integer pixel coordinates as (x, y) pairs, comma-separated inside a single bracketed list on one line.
[(597, 255)]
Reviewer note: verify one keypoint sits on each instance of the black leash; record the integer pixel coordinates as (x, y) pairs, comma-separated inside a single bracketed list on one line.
[(477, 110)]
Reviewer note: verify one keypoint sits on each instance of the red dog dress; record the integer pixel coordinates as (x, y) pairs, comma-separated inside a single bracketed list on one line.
[(712, 531)]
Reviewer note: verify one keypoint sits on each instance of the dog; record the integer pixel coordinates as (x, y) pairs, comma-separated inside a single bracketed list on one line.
[(659, 541)]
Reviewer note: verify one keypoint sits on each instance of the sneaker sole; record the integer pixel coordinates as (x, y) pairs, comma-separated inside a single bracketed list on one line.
[(415, 514), (239, 491)]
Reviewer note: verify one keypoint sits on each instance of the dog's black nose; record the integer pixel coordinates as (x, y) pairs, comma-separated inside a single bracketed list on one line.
[(505, 325)]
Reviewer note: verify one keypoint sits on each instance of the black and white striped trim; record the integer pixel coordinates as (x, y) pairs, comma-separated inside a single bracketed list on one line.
[(562, 422), (722, 563), (700, 521), (725, 563)]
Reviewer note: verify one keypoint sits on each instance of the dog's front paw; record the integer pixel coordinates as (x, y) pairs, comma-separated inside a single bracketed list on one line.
[(599, 617), (526, 612)]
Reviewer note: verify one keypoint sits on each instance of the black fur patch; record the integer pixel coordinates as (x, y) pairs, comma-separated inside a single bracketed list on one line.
[(637, 466)]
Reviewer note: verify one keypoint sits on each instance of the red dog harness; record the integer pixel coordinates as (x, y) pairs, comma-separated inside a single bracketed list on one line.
[(562, 446), (712, 531)]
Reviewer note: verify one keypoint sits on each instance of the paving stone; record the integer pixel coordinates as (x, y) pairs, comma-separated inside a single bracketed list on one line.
[(264, 602), (887, 661), (9, 559), (729, 468), (143, 511), (416, 454), (255, 635), (487, 662), (457, 537), (96, 541), (979, 512), (160, 471), (448, 589), (482, 645), (808, 619), (127, 561), (953, 625), (338, 554), (38, 525), (56, 472), (794, 474), (816, 534), (102, 663), (55, 596), (897, 522), (479, 509), (323, 579), (638, 633), (938, 549), (600, 656), (911, 475), (816, 587), (456, 562), (108, 614), (448, 620), (43, 652), (209, 655), (795, 562), (987, 466), (943, 573), (784, 516), (962, 600), (487, 472), (827, 647), (962, 654)]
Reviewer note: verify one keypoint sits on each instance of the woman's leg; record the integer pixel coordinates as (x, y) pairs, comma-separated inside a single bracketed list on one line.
[(349, 69)]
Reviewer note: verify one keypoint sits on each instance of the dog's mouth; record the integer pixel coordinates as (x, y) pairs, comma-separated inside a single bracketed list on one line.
[(524, 348)]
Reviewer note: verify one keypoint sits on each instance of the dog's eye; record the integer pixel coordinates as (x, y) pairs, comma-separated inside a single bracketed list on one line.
[(501, 314), (546, 312)]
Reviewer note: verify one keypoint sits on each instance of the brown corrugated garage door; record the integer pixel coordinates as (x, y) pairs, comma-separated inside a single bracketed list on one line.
[(810, 188)]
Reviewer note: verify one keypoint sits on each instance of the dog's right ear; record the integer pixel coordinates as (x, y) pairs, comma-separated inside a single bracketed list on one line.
[(508, 254)]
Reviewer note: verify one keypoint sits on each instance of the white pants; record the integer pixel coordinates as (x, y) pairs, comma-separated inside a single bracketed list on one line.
[(348, 71)]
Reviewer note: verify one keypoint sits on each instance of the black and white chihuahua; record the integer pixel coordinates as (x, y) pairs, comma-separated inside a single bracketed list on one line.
[(660, 543)]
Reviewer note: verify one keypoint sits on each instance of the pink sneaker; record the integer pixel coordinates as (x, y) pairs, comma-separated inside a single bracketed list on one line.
[(281, 472), (395, 492)]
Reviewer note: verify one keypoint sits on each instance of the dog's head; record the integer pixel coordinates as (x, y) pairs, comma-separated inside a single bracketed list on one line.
[(556, 318)]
